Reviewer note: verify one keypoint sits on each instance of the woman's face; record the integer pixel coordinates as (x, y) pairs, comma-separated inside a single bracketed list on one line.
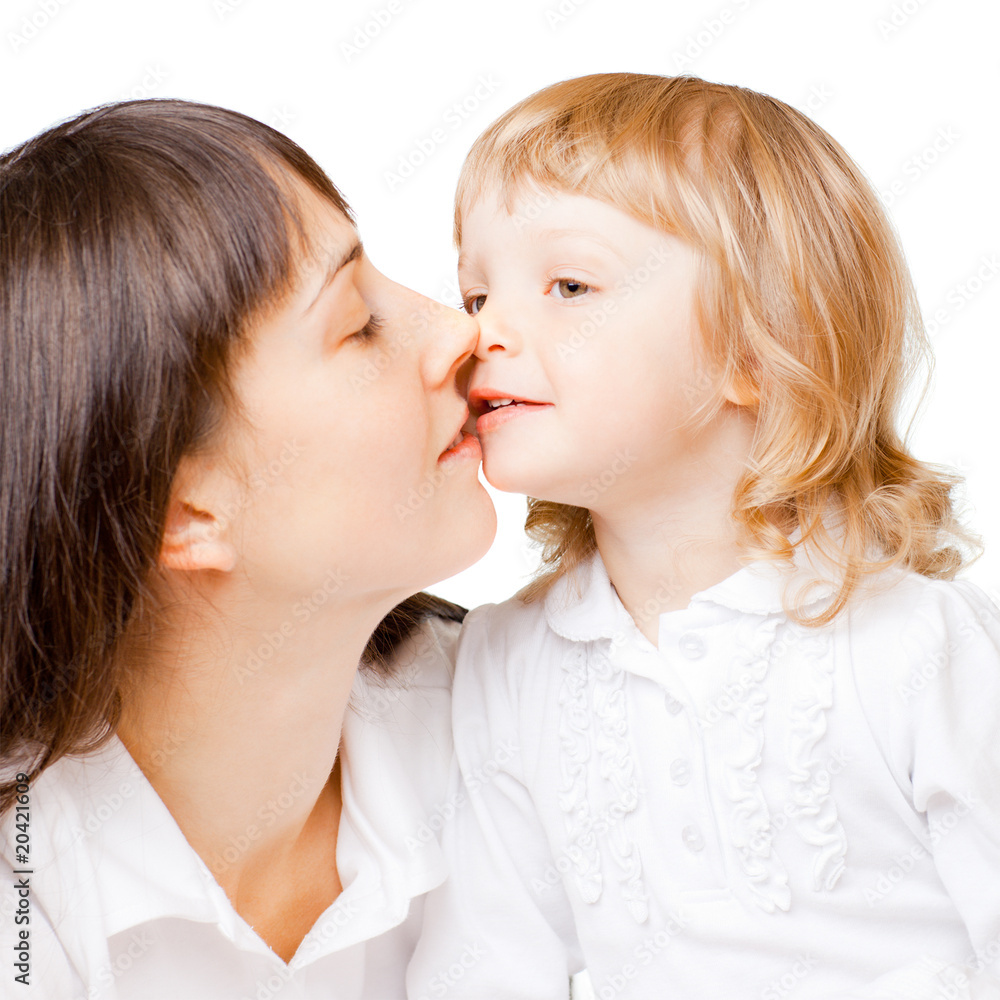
[(348, 479)]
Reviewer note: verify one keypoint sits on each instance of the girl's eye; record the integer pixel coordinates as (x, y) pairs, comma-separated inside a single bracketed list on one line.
[(369, 331), (570, 288), (473, 305)]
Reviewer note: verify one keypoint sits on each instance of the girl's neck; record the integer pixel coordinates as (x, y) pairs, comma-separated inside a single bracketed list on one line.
[(679, 537), (657, 566)]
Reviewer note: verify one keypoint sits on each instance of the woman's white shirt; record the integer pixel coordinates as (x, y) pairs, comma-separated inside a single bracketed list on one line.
[(749, 809), (122, 908)]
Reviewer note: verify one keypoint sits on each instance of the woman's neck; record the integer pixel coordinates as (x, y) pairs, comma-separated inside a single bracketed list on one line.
[(236, 721)]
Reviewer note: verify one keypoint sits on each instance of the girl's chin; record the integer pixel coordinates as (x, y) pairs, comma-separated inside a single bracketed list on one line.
[(536, 468), (505, 473), (510, 480)]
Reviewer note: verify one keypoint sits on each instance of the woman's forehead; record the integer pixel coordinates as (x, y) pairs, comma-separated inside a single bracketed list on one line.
[(324, 236)]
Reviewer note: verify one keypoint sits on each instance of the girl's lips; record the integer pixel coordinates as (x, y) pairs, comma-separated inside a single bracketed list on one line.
[(495, 418), (467, 448)]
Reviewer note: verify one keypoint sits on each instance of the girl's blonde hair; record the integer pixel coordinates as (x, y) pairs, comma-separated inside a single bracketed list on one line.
[(804, 300)]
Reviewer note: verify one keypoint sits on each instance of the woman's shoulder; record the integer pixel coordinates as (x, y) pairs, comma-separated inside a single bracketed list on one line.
[(415, 680), (81, 811), (66, 792), (397, 754), (498, 633), (427, 656)]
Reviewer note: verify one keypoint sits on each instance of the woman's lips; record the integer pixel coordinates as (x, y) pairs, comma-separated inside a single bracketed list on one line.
[(467, 448), (493, 419)]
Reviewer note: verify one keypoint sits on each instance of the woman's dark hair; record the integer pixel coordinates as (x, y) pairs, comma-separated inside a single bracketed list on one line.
[(137, 241)]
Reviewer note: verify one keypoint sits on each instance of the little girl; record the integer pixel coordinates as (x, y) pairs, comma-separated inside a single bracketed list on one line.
[(740, 740)]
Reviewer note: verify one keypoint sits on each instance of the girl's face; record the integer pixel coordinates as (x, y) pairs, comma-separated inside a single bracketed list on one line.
[(586, 315), (350, 480)]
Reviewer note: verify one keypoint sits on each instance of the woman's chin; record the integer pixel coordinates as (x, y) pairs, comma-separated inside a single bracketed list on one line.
[(481, 528), (467, 537)]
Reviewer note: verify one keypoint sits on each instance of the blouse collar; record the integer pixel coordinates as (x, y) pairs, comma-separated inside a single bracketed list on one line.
[(583, 605)]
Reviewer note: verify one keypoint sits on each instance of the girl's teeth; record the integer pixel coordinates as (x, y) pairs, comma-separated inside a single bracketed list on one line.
[(494, 403)]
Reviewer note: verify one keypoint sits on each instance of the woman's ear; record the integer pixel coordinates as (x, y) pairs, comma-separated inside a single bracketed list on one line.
[(197, 535), (195, 540)]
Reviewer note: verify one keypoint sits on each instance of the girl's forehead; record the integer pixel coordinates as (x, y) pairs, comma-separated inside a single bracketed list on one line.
[(549, 213)]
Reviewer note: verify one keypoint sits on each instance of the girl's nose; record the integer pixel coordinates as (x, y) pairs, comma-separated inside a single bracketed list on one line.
[(495, 335)]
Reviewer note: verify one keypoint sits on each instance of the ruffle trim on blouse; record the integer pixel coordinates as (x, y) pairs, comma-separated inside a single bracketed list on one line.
[(593, 734), (814, 808), (750, 820), (575, 740), (594, 725)]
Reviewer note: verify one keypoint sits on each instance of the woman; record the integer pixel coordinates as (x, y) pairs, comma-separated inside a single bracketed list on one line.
[(230, 449)]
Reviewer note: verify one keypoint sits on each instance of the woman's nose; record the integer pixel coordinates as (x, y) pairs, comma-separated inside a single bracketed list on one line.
[(447, 338)]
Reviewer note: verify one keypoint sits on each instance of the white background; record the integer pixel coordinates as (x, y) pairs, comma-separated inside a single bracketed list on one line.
[(886, 77)]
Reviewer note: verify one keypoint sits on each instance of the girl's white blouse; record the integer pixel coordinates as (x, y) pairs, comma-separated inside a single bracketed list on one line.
[(750, 809), (122, 908)]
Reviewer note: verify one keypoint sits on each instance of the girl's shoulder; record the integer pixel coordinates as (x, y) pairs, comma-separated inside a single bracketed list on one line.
[(918, 614), (512, 635), (576, 606), (508, 658), (924, 654)]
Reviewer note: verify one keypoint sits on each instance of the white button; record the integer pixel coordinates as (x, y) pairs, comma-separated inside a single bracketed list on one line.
[(693, 840), (680, 771), (673, 705), (692, 646)]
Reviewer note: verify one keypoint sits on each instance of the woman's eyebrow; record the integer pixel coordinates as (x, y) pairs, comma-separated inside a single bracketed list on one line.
[(335, 264)]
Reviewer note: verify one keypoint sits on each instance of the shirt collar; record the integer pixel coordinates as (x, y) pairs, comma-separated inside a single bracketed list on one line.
[(583, 605), (113, 855), (121, 860), (386, 845)]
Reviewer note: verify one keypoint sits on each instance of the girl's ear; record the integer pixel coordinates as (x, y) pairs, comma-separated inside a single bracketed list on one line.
[(741, 387), (740, 393), (198, 533)]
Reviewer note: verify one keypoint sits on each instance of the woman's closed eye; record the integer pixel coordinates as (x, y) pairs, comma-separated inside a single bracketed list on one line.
[(369, 331)]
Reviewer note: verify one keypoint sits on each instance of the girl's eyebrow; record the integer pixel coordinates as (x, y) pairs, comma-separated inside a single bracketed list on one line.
[(560, 234), (584, 234)]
